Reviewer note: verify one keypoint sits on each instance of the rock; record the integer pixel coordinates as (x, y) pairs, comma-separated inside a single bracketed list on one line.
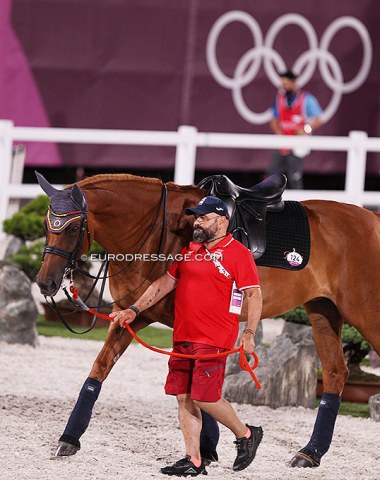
[(13, 247), (287, 372), (374, 407), (18, 311), (297, 332)]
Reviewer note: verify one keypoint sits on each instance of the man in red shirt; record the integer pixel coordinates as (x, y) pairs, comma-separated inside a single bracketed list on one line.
[(210, 280), (295, 112)]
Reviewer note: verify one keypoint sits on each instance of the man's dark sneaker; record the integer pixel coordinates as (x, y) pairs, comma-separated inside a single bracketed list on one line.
[(184, 467), (246, 448), (209, 456)]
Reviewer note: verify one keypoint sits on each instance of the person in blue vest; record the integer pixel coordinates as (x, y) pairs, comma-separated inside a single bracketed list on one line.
[(295, 112)]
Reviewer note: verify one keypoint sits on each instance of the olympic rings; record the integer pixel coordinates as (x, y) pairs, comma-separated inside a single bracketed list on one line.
[(249, 64)]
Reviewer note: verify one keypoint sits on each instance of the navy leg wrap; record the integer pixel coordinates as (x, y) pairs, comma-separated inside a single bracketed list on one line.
[(320, 440), (81, 415), (209, 433)]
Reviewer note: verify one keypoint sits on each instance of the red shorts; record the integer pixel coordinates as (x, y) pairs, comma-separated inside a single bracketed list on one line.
[(203, 379)]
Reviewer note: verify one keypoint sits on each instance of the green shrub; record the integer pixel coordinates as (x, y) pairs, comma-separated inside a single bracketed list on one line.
[(28, 222), (352, 336), (355, 348), (96, 249), (297, 315), (29, 258)]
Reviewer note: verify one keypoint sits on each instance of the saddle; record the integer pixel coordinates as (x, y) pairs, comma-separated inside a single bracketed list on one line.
[(248, 206)]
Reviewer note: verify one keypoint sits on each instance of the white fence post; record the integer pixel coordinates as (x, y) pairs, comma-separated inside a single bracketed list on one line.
[(356, 167), (185, 157), (6, 140), (17, 171)]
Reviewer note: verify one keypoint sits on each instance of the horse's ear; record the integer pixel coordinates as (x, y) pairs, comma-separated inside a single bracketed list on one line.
[(78, 196), (45, 185)]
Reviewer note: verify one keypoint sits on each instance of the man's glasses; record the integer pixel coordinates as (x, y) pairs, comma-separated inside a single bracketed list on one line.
[(204, 218)]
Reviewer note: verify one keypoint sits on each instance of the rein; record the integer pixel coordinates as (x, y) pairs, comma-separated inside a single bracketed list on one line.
[(243, 362), (61, 316)]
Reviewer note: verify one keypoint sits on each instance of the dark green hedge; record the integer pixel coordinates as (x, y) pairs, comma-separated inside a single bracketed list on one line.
[(28, 222)]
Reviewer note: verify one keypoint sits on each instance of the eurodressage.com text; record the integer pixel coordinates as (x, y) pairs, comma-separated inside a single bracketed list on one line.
[(151, 257)]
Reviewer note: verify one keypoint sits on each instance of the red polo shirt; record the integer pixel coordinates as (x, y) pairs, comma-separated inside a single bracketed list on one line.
[(203, 292)]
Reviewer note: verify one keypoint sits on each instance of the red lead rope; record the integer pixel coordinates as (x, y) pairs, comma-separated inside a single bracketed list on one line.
[(244, 365)]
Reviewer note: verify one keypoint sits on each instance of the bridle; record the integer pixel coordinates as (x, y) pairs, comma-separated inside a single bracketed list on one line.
[(72, 264), (72, 261), (71, 257)]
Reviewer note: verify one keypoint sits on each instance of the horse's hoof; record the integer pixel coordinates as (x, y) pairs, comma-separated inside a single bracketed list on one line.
[(65, 449), (305, 458)]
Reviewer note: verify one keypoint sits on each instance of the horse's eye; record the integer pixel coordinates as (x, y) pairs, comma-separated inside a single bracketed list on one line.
[(74, 229)]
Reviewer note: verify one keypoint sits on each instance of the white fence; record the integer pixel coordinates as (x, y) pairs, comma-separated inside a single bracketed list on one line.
[(186, 140)]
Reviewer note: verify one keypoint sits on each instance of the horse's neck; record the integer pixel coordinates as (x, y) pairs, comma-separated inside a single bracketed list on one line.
[(117, 221), (126, 217), (121, 220)]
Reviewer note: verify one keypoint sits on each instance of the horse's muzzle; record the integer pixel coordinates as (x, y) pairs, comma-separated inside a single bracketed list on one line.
[(48, 287)]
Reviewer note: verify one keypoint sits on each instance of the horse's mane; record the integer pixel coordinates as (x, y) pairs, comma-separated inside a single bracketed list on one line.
[(97, 181)]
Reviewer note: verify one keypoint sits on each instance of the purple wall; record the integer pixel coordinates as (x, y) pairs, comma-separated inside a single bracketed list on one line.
[(138, 64)]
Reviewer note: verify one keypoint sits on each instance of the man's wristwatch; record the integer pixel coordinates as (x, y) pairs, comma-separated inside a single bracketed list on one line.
[(134, 309)]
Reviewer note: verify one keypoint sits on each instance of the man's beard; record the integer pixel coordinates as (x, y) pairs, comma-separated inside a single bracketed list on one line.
[(201, 235)]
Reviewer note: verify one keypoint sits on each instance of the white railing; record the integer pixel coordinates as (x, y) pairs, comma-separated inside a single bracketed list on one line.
[(186, 140)]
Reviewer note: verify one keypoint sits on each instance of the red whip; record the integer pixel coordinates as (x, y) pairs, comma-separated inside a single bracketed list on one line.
[(244, 364)]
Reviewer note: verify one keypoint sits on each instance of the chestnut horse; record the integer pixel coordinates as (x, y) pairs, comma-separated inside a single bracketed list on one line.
[(128, 214)]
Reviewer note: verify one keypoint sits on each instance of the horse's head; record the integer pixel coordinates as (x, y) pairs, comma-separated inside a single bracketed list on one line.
[(67, 234)]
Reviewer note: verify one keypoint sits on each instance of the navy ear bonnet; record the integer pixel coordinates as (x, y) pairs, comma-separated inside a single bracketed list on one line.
[(66, 206)]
